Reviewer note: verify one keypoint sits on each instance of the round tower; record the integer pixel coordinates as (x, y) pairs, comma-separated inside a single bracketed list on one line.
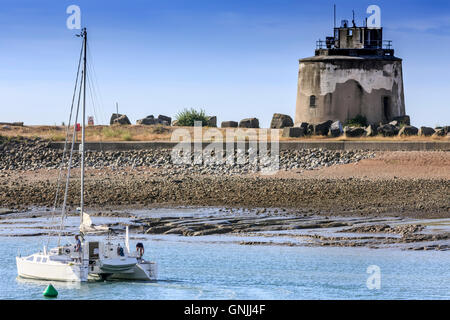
[(353, 73)]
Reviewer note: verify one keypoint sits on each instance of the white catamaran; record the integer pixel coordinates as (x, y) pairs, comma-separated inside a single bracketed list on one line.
[(90, 259)]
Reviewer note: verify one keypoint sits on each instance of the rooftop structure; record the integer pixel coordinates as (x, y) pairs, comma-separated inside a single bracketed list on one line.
[(352, 73)]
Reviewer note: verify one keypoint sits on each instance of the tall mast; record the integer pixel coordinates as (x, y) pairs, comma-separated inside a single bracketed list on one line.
[(84, 33)]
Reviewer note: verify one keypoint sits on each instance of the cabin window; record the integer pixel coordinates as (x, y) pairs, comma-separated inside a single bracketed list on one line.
[(44, 260), (30, 258), (38, 259), (312, 101)]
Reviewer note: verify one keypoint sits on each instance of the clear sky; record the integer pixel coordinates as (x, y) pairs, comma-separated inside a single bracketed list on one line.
[(233, 58)]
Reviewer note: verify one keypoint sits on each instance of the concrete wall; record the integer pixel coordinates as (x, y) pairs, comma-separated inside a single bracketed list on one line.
[(283, 145), (347, 86)]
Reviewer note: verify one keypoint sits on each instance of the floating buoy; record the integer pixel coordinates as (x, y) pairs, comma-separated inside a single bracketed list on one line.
[(50, 292)]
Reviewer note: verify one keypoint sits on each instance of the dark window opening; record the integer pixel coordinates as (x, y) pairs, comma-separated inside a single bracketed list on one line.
[(312, 101)]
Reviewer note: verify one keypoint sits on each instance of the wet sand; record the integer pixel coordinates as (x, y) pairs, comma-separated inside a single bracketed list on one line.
[(404, 184), (275, 227)]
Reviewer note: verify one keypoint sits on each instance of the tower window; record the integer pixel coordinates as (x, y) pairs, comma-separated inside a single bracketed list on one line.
[(312, 101)]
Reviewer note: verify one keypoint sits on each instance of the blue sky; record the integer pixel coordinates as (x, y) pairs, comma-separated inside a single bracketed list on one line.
[(235, 59)]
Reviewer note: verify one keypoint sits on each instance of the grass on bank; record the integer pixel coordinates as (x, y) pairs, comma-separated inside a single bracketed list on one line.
[(164, 133)]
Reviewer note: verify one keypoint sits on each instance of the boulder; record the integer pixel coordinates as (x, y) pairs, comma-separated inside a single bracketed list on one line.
[(14, 124), (293, 132), (121, 119), (305, 126), (175, 123), (162, 118), (403, 120), (408, 131), (336, 129), (280, 121), (212, 121), (149, 120), (354, 131), (387, 130), (322, 128), (426, 131), (114, 116), (439, 132), (394, 123), (229, 124), (249, 123), (371, 130)]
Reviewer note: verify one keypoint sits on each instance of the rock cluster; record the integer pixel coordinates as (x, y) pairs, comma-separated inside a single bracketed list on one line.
[(33, 154), (398, 127), (151, 120), (117, 118), (280, 121), (385, 228), (229, 124), (212, 121), (293, 132), (249, 123)]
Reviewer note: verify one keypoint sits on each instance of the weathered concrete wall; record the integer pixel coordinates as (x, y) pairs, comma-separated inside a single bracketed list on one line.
[(347, 86), (283, 145)]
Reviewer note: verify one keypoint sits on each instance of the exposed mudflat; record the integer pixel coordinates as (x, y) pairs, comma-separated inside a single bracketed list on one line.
[(310, 181), (248, 227), (132, 188)]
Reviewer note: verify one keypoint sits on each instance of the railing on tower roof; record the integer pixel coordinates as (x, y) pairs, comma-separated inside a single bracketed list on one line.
[(371, 44)]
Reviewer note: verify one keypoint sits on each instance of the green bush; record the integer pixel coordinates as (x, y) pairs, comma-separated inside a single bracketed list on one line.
[(187, 117), (358, 121)]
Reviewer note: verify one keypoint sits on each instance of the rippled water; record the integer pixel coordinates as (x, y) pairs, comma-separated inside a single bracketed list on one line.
[(198, 268)]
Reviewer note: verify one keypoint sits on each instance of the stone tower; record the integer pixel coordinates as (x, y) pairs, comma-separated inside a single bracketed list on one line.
[(352, 73)]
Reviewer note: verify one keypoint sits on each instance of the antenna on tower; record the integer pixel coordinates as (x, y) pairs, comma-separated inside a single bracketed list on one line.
[(335, 16), (353, 21)]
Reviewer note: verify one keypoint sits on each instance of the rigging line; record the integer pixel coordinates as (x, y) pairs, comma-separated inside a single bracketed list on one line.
[(68, 128), (95, 83), (65, 143), (89, 83), (95, 93), (63, 212)]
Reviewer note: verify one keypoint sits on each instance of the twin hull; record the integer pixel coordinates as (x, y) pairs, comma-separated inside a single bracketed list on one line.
[(96, 261), (56, 271)]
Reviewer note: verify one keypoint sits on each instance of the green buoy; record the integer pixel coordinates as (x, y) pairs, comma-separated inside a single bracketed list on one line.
[(50, 292)]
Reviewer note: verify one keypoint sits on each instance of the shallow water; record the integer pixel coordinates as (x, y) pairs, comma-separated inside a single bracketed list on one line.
[(217, 267), (225, 270)]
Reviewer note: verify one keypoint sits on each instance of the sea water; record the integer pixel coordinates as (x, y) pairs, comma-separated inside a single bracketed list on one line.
[(209, 268)]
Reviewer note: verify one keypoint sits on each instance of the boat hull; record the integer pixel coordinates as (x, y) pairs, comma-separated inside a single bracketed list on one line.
[(144, 271), (54, 271)]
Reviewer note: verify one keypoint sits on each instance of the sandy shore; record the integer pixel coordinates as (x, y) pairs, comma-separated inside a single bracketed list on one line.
[(406, 184)]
